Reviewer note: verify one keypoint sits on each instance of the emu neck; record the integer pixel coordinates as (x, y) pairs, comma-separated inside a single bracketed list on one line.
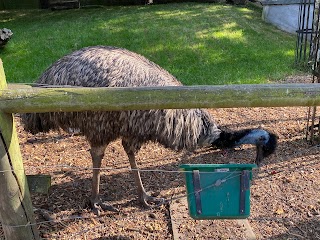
[(255, 137)]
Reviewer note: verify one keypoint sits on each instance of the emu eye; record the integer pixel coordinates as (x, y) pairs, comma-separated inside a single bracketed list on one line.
[(262, 138)]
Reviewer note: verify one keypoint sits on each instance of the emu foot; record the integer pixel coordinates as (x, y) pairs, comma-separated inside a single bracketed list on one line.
[(98, 206), (149, 201)]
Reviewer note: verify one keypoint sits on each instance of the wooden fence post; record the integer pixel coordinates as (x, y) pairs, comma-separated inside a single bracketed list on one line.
[(16, 212)]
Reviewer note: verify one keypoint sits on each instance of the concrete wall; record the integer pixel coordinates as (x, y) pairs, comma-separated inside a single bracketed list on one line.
[(284, 14)]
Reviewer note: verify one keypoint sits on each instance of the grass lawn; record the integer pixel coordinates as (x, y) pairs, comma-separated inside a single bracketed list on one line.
[(198, 43)]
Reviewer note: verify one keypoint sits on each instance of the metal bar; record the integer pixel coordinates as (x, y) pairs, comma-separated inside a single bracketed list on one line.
[(313, 31), (303, 27), (306, 26), (298, 34), (315, 42), (312, 124)]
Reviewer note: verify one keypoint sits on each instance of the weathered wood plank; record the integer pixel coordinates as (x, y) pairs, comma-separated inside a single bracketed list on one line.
[(180, 219), (95, 99), (15, 203), (39, 183), (248, 230), (175, 215)]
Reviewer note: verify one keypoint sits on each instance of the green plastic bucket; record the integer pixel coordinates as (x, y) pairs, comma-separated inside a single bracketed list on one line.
[(218, 191)]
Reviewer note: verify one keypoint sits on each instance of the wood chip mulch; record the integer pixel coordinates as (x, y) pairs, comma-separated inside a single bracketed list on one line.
[(285, 193)]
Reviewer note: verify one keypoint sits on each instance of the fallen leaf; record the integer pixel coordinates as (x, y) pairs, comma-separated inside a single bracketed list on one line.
[(279, 211), (149, 227)]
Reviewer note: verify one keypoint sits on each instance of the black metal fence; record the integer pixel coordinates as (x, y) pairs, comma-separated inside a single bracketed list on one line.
[(308, 56), (305, 33)]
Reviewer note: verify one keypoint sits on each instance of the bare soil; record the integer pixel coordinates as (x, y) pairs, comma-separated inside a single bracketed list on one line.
[(285, 196)]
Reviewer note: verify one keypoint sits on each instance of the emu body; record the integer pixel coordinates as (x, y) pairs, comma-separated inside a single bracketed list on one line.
[(102, 66)]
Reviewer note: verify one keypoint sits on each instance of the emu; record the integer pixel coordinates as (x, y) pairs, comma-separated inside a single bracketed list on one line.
[(5, 36), (105, 66)]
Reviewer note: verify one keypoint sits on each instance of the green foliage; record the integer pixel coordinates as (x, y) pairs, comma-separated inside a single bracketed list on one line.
[(199, 43)]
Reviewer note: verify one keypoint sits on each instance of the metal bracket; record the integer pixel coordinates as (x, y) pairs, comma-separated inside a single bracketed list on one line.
[(244, 186), (197, 190)]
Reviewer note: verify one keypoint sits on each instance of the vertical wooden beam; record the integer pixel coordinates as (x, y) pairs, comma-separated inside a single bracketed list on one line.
[(16, 212)]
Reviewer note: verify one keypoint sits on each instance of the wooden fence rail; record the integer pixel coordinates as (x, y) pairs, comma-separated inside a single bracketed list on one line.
[(23, 98), (15, 203)]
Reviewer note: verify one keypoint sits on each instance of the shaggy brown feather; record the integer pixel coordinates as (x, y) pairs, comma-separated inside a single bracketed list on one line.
[(102, 66)]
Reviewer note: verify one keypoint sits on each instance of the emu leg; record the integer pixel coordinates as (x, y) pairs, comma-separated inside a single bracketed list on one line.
[(144, 197), (97, 154)]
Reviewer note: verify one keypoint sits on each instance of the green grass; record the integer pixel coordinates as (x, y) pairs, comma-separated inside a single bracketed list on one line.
[(198, 43)]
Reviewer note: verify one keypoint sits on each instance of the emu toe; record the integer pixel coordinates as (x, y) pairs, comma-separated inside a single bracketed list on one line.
[(99, 206), (150, 201)]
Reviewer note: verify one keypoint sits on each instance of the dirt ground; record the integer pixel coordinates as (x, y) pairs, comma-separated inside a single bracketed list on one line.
[(285, 196)]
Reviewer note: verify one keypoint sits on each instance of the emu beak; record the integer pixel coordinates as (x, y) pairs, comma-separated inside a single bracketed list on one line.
[(260, 154)]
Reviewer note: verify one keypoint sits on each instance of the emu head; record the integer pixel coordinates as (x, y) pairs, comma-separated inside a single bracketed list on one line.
[(265, 141)]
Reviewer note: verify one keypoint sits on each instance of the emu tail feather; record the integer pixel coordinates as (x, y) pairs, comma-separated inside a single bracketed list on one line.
[(38, 122)]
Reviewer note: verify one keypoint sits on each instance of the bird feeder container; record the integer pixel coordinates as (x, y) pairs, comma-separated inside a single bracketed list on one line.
[(218, 191)]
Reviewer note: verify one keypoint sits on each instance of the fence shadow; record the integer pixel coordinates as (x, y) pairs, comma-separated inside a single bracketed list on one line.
[(307, 229), (119, 185)]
